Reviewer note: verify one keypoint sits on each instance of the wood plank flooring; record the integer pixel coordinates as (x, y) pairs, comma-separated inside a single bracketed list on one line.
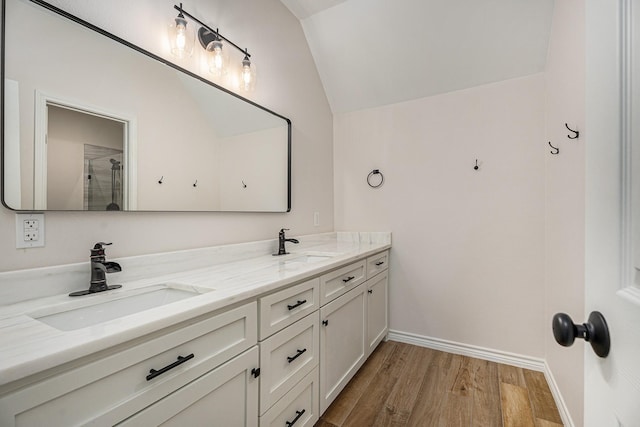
[(406, 385)]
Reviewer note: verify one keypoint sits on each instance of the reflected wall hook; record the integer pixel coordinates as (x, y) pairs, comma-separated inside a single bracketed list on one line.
[(195, 184), (557, 150), (476, 167), (243, 184), (372, 173), (160, 180), (576, 133)]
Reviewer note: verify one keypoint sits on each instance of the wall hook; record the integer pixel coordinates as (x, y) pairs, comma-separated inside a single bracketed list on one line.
[(476, 167), (372, 173), (160, 180), (195, 184), (576, 133), (557, 150), (243, 184)]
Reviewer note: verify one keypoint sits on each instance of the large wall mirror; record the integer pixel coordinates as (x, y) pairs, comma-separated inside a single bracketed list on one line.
[(91, 122)]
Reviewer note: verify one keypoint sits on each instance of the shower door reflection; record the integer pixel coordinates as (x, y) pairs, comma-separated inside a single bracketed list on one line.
[(103, 179)]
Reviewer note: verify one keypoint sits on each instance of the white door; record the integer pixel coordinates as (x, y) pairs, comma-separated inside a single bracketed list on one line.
[(612, 384)]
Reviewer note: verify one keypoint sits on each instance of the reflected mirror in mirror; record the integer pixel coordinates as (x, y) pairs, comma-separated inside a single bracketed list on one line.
[(94, 123)]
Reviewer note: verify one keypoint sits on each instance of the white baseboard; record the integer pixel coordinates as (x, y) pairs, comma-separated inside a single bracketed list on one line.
[(557, 396), (513, 359)]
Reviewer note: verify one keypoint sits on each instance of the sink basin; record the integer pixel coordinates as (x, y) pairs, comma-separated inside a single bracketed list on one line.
[(95, 310), (311, 257), (308, 259)]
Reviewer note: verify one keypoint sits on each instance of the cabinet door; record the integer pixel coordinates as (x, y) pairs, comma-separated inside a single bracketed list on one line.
[(225, 397), (377, 312), (343, 347)]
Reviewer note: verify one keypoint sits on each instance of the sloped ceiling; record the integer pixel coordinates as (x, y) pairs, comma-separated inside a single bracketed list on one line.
[(378, 52)]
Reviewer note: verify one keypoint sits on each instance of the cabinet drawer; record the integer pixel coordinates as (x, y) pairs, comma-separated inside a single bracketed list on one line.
[(338, 282), (281, 309), (377, 263), (299, 407), (116, 386), (286, 357), (226, 396)]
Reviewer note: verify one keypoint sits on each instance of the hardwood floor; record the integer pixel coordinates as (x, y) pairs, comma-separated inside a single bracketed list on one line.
[(406, 385)]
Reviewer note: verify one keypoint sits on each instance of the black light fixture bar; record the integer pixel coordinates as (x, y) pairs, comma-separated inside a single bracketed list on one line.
[(181, 10)]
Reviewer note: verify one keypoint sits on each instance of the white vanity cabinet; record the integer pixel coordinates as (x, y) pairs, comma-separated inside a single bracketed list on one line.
[(127, 379), (277, 359)]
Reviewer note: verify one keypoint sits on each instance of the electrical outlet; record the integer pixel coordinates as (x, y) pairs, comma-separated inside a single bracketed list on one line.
[(31, 235), (31, 224), (29, 230)]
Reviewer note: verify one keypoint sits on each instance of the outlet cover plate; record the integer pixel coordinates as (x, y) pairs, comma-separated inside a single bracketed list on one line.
[(29, 230)]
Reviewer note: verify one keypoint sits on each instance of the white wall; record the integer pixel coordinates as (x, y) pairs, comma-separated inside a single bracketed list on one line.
[(468, 260), (565, 196), (276, 40), (250, 168)]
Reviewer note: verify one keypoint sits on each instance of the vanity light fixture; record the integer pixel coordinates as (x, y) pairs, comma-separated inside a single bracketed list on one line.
[(217, 51), (181, 36)]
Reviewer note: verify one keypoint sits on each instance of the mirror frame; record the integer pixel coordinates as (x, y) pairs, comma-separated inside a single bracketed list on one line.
[(130, 45)]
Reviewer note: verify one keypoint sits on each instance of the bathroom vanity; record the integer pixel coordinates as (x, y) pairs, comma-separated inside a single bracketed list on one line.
[(234, 336)]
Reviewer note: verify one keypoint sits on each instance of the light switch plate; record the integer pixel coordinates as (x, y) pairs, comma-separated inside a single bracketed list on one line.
[(29, 230)]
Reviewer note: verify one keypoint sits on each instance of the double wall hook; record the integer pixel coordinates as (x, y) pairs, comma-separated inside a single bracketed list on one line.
[(554, 149), (576, 133)]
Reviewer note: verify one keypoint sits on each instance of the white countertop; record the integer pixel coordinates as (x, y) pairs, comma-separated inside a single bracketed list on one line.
[(235, 273)]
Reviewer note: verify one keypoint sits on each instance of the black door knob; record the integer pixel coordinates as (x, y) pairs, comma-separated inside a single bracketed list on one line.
[(595, 331)]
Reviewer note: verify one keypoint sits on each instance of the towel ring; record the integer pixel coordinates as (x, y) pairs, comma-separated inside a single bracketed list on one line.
[(372, 173)]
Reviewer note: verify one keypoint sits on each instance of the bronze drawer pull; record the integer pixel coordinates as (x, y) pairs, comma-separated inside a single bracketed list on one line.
[(153, 373), (298, 304), (298, 354), (348, 279), (298, 415)]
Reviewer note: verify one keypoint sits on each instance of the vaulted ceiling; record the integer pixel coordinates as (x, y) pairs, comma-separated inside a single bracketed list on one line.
[(377, 52)]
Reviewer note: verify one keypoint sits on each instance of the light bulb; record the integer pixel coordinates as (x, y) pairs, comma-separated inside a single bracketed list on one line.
[(181, 37), (247, 75), (217, 58)]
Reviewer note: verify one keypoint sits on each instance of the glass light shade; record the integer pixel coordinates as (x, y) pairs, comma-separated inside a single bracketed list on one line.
[(247, 75), (217, 58), (181, 38)]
